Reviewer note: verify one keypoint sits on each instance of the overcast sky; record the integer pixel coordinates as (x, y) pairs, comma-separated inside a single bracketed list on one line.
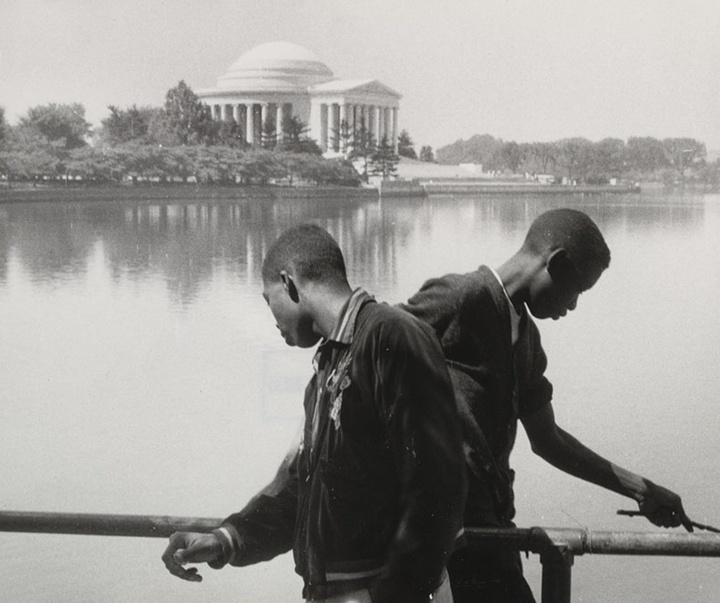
[(524, 70)]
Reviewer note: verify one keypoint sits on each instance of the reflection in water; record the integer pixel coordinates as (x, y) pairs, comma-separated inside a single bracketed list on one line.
[(141, 372), (184, 242)]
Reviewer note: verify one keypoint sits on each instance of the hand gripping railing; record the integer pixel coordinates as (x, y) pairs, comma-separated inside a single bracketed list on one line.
[(557, 547)]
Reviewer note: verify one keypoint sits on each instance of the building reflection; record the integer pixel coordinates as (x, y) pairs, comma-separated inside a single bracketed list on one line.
[(186, 243)]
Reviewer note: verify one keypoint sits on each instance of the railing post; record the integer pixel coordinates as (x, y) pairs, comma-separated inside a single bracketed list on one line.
[(557, 564)]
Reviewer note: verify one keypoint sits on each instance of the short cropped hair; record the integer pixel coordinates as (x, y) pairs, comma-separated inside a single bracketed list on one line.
[(309, 252), (575, 232)]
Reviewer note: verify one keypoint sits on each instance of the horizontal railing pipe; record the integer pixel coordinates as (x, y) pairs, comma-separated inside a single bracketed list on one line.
[(580, 541), (146, 526), (557, 547)]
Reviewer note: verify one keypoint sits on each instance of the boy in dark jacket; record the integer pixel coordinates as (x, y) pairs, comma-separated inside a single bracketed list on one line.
[(498, 366), (372, 501)]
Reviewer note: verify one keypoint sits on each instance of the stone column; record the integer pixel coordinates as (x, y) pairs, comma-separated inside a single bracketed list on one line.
[(379, 123), (279, 116), (264, 112), (371, 125), (334, 126), (324, 117), (395, 129), (241, 120), (250, 129)]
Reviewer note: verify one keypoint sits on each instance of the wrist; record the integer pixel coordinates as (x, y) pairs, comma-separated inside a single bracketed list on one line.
[(227, 548), (631, 484)]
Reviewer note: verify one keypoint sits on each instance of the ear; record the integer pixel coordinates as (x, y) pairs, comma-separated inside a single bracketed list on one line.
[(290, 286), (559, 265)]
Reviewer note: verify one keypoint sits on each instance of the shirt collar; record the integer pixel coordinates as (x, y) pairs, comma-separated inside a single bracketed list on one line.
[(344, 327)]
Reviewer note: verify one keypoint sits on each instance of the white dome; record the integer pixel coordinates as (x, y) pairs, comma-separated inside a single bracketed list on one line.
[(276, 67)]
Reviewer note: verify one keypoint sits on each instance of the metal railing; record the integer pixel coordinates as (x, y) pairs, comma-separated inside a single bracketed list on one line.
[(557, 547)]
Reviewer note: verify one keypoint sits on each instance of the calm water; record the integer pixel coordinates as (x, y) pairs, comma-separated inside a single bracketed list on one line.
[(141, 372)]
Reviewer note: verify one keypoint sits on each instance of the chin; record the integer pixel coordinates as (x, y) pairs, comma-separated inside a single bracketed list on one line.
[(307, 342)]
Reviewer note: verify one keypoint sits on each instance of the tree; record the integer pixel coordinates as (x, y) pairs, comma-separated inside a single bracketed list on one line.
[(479, 149), (544, 156), (268, 133), (406, 145), (124, 125), (188, 118), (426, 154), (62, 123), (608, 159), (295, 138), (161, 130), (510, 156), (27, 154), (683, 152), (228, 133), (363, 147), (384, 160), (3, 125), (645, 155), (575, 156), (344, 137)]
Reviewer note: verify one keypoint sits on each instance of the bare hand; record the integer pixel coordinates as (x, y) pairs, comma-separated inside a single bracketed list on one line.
[(190, 547), (663, 507)]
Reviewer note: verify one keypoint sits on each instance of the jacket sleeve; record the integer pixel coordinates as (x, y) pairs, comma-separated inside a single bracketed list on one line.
[(417, 406), (265, 527)]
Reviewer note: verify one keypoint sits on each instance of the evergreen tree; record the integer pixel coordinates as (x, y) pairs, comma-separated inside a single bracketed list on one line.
[(406, 145), (363, 148), (268, 133), (384, 160), (295, 138)]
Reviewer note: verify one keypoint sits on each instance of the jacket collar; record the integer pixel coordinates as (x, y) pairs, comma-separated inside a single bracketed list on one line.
[(344, 328)]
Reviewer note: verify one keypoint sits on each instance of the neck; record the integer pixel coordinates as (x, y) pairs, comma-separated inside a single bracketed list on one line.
[(325, 304), (517, 274)]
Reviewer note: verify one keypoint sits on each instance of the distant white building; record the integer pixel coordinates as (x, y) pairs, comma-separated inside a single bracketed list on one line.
[(279, 78)]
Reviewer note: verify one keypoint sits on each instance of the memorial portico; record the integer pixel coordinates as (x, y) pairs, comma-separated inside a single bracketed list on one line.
[(279, 80)]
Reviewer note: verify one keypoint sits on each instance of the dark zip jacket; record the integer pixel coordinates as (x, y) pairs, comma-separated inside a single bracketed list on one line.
[(374, 496)]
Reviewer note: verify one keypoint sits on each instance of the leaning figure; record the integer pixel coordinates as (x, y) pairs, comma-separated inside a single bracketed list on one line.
[(371, 501), (483, 320)]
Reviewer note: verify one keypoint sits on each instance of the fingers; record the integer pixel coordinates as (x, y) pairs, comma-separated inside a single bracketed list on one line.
[(687, 524), (668, 517), (174, 559)]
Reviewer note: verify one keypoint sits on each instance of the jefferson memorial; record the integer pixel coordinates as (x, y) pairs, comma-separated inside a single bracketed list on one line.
[(279, 79)]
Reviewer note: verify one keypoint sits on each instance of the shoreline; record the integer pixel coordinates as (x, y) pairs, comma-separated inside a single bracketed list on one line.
[(408, 189), (175, 192)]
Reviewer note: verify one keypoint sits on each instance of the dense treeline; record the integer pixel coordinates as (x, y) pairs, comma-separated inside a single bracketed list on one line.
[(579, 159), (178, 142)]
